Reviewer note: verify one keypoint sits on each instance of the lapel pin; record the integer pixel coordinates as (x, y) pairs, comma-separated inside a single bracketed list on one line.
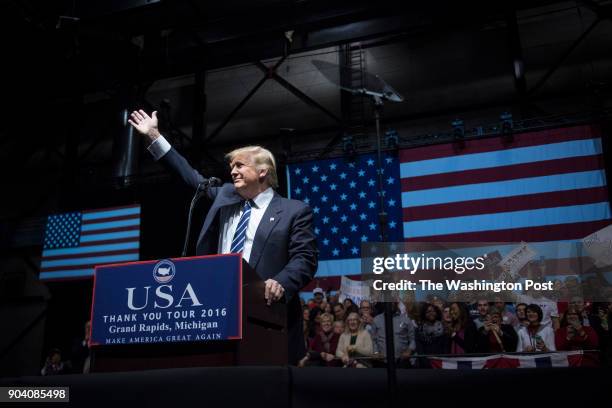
[(271, 219)]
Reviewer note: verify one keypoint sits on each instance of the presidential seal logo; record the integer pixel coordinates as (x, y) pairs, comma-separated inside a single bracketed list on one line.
[(164, 271)]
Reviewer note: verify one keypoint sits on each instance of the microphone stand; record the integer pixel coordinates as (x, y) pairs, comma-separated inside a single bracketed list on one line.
[(200, 191)]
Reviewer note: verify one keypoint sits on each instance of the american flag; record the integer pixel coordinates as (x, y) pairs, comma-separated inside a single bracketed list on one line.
[(344, 196), (540, 186), (75, 242), (558, 359)]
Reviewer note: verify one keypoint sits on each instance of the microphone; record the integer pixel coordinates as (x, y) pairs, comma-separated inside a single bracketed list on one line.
[(207, 183), (212, 182)]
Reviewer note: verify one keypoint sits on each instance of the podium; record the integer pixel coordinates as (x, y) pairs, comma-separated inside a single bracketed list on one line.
[(263, 332)]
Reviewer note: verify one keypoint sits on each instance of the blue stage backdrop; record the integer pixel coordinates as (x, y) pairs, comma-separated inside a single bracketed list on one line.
[(171, 300)]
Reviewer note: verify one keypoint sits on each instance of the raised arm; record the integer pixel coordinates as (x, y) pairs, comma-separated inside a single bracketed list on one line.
[(161, 150)]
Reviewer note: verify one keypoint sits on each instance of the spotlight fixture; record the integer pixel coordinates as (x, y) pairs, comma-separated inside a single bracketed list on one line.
[(391, 139), (348, 147), (507, 127), (458, 130)]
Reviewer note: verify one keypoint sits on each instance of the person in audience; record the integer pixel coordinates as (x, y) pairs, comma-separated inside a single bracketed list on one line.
[(577, 302), (495, 336), (573, 335), (437, 302), (601, 319), (322, 351), (339, 313), (339, 327), (54, 364), (403, 336), (365, 306), (431, 336), (521, 317), (462, 330), (446, 318), (306, 328), (314, 322), (411, 309), (350, 306), (80, 359), (365, 313), (319, 295), (482, 306), (354, 343), (535, 337), (507, 316), (550, 312)]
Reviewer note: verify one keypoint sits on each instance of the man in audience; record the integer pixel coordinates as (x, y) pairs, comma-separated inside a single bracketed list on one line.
[(482, 306), (403, 336), (338, 309)]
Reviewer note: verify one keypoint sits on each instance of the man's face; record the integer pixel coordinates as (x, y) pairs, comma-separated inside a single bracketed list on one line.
[(339, 312), (365, 307), (578, 303), (520, 312), (483, 307), (244, 174)]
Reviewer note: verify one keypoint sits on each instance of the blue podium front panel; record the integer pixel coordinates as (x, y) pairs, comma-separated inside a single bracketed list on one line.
[(171, 300)]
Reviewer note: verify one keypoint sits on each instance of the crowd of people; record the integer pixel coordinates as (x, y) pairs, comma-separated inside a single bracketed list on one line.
[(344, 334)]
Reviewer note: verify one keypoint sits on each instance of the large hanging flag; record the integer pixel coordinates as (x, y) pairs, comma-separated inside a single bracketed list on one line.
[(76, 242), (541, 186)]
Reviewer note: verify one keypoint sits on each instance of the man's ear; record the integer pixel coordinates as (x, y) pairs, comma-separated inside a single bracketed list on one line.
[(263, 173)]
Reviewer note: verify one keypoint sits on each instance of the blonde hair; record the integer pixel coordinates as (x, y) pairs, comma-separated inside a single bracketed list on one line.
[(262, 159), (327, 316)]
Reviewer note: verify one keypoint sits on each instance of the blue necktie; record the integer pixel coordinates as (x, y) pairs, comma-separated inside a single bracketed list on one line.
[(240, 234)]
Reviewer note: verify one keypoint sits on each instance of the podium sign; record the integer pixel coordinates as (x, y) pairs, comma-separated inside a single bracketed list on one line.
[(172, 300)]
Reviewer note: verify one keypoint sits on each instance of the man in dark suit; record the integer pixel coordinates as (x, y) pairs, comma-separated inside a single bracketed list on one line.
[(274, 234)]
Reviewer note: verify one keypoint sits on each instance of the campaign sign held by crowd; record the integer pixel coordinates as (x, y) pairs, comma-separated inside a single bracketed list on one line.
[(171, 300)]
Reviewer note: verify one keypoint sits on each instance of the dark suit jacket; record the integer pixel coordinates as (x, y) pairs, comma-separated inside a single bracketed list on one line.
[(284, 249)]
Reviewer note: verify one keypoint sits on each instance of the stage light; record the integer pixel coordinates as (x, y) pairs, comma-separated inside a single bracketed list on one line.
[(348, 147), (391, 139), (458, 130), (507, 127)]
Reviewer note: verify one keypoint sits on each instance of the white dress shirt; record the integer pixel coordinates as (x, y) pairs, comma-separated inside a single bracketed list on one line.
[(229, 215)]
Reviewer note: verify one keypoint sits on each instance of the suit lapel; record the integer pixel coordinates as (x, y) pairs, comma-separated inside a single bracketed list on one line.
[(266, 225), (227, 197)]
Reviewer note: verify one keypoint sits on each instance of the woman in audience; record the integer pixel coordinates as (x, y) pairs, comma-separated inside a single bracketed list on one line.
[(495, 336), (535, 337), (323, 347), (354, 343), (573, 335), (350, 306), (462, 330), (430, 335), (446, 319)]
